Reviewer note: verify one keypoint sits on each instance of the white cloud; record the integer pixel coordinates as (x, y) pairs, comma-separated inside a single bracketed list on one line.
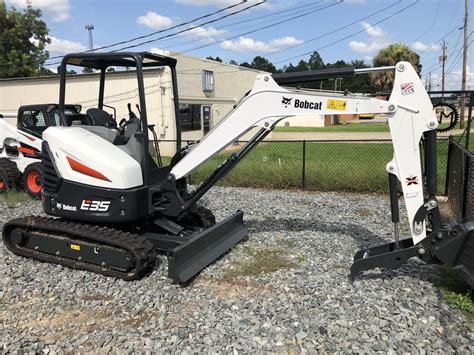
[(64, 46), (202, 32), (154, 21), (159, 51), (419, 46), (377, 40), (373, 31), (363, 47), (57, 9), (246, 44)]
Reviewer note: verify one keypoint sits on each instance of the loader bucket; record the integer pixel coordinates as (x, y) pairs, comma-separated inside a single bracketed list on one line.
[(188, 259)]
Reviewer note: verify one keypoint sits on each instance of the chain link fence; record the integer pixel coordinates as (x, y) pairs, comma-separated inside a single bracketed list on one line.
[(460, 180), (353, 166)]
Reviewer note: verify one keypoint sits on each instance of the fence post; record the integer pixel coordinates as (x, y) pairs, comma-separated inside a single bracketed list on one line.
[(190, 182), (303, 171), (448, 163), (469, 120), (467, 168)]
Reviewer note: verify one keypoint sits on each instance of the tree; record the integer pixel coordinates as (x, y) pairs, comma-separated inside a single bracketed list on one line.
[(261, 63), (315, 61), (391, 55), (233, 62), (23, 38), (216, 59)]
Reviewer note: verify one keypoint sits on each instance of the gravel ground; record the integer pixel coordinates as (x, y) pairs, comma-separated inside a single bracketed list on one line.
[(303, 303)]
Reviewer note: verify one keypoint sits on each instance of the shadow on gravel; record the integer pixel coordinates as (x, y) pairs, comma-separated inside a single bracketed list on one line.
[(361, 235)]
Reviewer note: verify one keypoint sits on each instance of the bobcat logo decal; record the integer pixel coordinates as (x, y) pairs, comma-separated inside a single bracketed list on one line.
[(286, 101)]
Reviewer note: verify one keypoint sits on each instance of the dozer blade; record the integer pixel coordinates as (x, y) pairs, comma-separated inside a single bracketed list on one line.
[(452, 246), (188, 259)]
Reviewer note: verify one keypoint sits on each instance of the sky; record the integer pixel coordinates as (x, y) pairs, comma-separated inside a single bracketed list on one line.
[(283, 31)]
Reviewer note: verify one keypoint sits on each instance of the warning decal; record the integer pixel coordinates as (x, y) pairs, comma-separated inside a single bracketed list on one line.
[(339, 105)]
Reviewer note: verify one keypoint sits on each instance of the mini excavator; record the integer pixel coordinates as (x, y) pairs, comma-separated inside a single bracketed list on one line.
[(116, 207)]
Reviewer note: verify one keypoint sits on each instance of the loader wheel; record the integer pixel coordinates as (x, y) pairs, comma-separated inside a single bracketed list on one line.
[(32, 180), (9, 175)]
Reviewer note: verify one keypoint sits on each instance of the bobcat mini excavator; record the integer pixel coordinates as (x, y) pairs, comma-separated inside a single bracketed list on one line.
[(118, 208)]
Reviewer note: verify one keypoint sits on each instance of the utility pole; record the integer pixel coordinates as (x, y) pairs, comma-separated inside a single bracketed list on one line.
[(428, 82), (443, 59), (89, 29), (464, 66)]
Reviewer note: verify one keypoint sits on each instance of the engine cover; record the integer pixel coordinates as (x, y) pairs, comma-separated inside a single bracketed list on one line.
[(83, 157)]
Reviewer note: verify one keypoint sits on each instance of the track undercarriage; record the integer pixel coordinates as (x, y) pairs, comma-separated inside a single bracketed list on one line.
[(113, 251)]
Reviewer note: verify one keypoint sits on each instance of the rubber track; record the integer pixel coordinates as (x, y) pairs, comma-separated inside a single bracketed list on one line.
[(13, 174), (142, 250)]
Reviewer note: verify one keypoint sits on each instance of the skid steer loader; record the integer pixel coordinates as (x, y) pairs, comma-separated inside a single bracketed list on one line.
[(118, 208), (20, 145)]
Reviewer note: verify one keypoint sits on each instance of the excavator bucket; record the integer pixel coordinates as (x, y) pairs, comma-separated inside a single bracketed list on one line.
[(452, 246)]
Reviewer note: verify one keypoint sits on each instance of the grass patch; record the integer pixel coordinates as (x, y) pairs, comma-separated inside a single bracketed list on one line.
[(13, 198), (262, 261), (350, 127), (302, 258), (328, 166), (287, 242), (456, 292)]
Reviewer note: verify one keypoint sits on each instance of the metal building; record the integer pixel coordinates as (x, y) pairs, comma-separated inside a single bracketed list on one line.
[(207, 90)]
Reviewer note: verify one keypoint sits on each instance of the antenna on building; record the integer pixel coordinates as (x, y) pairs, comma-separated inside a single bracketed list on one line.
[(89, 29)]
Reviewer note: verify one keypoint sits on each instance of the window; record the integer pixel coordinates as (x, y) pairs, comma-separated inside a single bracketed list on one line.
[(207, 80), (190, 117), (33, 122)]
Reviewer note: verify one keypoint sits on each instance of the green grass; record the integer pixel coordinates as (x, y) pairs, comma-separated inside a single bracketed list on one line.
[(462, 141), (261, 261), (13, 198), (350, 127), (329, 166), (457, 293)]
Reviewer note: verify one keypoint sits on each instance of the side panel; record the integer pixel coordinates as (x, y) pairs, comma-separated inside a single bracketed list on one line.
[(83, 157)]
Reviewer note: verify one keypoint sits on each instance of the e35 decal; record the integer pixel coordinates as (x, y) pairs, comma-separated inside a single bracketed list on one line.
[(95, 206)]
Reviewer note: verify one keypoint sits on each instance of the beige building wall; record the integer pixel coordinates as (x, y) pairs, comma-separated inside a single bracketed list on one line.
[(230, 84)]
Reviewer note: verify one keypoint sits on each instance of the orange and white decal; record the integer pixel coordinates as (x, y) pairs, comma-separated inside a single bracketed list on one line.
[(83, 169)]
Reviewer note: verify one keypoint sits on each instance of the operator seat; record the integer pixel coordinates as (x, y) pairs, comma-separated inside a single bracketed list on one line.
[(99, 117)]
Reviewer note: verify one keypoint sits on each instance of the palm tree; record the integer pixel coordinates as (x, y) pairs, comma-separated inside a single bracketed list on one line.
[(391, 55)]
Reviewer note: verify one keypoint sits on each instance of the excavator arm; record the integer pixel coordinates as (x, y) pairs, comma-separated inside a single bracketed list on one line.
[(409, 113), (411, 120)]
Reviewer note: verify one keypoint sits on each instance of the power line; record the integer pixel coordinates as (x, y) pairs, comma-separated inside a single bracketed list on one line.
[(323, 35), (353, 34), (432, 23), (166, 29), (169, 35), (346, 37), (264, 27), (193, 27), (240, 28), (439, 40)]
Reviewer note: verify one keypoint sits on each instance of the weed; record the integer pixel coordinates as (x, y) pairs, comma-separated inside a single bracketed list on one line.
[(262, 261), (11, 199)]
